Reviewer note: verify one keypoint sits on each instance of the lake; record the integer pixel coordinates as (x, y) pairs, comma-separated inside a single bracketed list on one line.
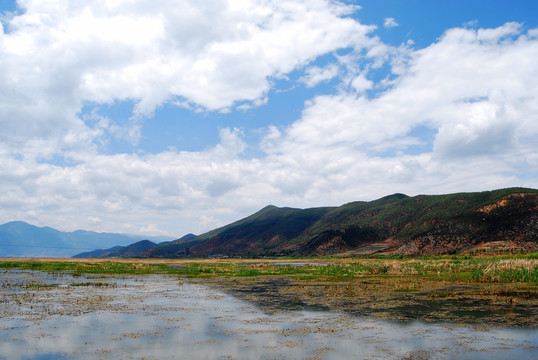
[(49, 316)]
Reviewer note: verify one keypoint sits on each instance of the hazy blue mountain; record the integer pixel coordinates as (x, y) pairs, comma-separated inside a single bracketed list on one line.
[(21, 239)]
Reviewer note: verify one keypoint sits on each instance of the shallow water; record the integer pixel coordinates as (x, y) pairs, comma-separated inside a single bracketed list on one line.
[(159, 317)]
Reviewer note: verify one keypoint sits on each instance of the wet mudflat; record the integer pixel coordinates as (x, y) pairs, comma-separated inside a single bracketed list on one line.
[(63, 315), (393, 298)]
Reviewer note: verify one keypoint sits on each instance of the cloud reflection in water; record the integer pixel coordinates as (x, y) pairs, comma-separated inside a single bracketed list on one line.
[(157, 317)]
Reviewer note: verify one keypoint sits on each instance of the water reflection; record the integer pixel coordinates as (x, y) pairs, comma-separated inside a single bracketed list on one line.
[(160, 317), (372, 297)]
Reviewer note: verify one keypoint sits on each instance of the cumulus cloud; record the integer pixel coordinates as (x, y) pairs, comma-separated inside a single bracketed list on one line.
[(390, 22), (198, 54), (462, 81), (315, 75), (475, 90)]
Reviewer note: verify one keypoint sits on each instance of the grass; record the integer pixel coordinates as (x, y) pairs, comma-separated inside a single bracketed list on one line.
[(32, 285), (108, 267), (479, 269)]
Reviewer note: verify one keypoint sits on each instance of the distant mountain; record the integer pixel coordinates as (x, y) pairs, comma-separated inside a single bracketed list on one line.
[(130, 251), (21, 239), (500, 220), (137, 249), (97, 253)]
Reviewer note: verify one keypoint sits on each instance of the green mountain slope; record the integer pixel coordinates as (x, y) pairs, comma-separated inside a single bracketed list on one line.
[(428, 224), (264, 231), (97, 253), (424, 224)]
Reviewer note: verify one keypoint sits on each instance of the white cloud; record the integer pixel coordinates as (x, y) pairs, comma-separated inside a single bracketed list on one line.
[(153, 230), (127, 187), (208, 223), (94, 220), (390, 22), (183, 52), (476, 89), (483, 129), (361, 84), (315, 75)]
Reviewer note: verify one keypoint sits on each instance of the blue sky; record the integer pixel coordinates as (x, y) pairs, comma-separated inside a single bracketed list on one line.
[(423, 22), (167, 118)]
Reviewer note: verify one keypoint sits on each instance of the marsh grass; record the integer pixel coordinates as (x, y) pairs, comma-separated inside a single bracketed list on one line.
[(108, 267), (500, 269), (32, 285)]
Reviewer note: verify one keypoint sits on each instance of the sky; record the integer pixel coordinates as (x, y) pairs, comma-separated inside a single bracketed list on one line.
[(176, 117)]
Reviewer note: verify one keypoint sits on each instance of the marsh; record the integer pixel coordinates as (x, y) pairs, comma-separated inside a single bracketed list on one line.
[(65, 315)]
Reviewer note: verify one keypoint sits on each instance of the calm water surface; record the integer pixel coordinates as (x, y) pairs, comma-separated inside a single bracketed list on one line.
[(62, 316)]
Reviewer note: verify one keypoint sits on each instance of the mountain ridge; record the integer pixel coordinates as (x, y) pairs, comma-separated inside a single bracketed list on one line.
[(134, 250), (397, 223), (466, 222), (21, 239)]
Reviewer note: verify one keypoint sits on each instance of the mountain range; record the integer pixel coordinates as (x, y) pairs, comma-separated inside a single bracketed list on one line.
[(20, 239), (491, 221), (133, 250)]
